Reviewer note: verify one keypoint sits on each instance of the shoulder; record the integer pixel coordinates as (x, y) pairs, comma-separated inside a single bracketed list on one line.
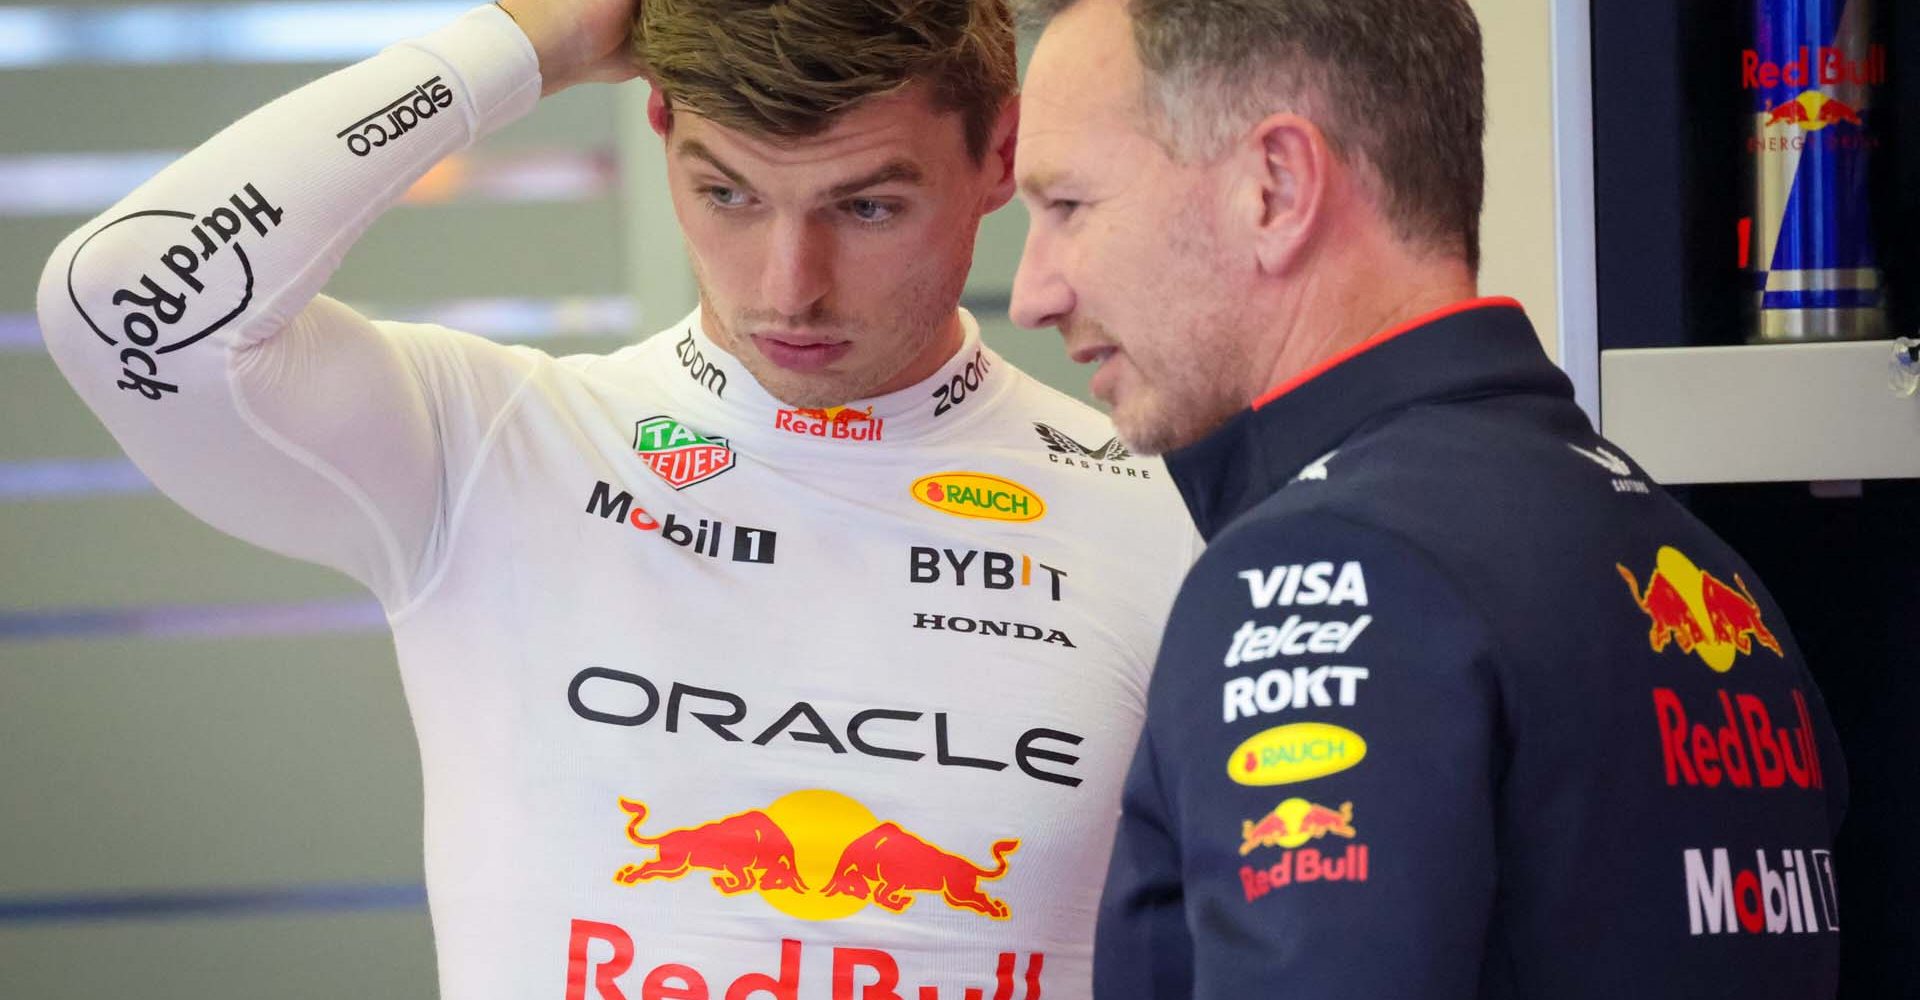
[(639, 355), (1310, 615), (1474, 484), (1076, 452), (1315, 557), (454, 360)]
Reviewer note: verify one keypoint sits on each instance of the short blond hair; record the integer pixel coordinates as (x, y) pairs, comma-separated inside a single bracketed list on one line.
[(788, 68)]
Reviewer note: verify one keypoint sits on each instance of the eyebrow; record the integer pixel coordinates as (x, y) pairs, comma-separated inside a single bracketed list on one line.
[(1034, 183), (896, 171), (693, 148)]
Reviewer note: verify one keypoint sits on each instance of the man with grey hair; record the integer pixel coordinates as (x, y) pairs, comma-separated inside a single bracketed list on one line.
[(1457, 703)]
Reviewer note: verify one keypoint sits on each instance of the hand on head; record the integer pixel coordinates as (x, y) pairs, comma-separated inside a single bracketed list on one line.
[(579, 41)]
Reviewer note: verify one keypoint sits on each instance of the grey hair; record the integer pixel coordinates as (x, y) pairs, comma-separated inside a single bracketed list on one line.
[(1396, 86)]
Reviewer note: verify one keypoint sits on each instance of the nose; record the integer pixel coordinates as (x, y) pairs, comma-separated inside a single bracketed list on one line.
[(799, 267), (1041, 294)]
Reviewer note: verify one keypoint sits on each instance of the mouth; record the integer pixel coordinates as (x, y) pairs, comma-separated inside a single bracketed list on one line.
[(800, 351), (1104, 382), (1093, 354)]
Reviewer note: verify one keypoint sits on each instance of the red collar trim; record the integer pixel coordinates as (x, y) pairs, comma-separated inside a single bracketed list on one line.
[(1495, 302)]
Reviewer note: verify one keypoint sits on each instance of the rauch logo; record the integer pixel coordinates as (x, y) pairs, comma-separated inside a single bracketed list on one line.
[(978, 495), (1298, 752)]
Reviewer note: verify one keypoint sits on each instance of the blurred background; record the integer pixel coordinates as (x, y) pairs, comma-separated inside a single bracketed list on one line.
[(208, 781)]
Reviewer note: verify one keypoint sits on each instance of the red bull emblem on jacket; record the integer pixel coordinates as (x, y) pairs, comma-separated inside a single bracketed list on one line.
[(1697, 611), (1294, 822)]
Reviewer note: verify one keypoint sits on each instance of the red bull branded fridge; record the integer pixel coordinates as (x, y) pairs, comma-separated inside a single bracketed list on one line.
[(1738, 189)]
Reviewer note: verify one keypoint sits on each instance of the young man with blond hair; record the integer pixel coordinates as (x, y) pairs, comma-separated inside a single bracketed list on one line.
[(779, 655)]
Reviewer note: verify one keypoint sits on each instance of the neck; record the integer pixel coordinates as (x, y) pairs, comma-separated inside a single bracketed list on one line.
[(939, 351), (1355, 295)]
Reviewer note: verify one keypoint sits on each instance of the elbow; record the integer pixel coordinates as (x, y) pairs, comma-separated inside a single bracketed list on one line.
[(126, 297), (110, 307), (61, 321)]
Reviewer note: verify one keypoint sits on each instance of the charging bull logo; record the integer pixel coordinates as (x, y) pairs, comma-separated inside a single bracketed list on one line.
[(1697, 611), (1813, 111), (818, 855), (890, 862), (747, 851), (1294, 822)]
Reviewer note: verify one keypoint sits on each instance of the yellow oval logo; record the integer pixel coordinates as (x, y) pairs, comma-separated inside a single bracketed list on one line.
[(976, 494), (1299, 752)]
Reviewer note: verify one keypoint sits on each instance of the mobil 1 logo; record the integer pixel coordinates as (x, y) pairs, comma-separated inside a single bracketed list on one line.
[(199, 278), (703, 537)]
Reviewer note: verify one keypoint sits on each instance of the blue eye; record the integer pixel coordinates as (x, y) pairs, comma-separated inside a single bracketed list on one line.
[(724, 197), (871, 212)]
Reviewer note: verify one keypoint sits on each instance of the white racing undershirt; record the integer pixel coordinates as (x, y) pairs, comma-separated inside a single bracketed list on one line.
[(715, 697)]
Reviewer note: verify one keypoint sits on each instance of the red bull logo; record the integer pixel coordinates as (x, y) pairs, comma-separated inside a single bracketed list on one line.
[(745, 851), (818, 855), (1290, 825), (1697, 611), (888, 863), (600, 955), (1825, 66), (1749, 750), (1293, 823), (1834, 111), (838, 423), (1813, 111), (1304, 866)]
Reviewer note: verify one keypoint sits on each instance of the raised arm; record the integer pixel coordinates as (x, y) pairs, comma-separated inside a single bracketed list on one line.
[(188, 316)]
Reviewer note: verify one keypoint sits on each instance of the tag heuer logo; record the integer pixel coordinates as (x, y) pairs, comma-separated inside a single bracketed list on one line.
[(679, 455), (1112, 451)]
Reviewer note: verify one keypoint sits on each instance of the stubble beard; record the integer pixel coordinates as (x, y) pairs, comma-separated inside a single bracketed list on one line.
[(1185, 403), (1176, 390), (923, 324)]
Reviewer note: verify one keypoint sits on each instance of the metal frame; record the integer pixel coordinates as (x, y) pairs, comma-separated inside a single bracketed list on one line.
[(1571, 27)]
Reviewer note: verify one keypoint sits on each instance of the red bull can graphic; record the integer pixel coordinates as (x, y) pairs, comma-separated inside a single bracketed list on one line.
[(1808, 246)]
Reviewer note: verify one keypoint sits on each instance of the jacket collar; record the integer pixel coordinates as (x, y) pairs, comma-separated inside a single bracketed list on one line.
[(1475, 348)]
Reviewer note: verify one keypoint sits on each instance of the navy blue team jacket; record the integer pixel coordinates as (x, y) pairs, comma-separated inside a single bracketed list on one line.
[(1459, 704)]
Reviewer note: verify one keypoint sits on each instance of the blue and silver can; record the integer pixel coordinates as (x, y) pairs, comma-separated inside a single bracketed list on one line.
[(1813, 70)]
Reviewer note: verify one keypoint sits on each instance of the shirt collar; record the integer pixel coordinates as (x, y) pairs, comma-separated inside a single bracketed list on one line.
[(746, 410), (1473, 348)]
